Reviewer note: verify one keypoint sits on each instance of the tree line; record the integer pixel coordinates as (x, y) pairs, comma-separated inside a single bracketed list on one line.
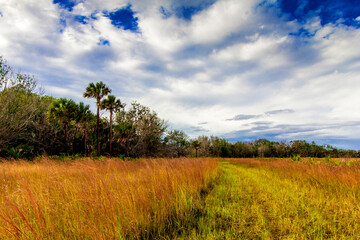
[(219, 147), (33, 124)]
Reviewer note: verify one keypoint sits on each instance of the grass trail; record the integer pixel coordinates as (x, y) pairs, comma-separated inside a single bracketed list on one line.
[(254, 202)]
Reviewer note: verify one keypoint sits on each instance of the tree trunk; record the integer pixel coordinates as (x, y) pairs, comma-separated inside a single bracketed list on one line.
[(110, 137), (66, 139), (97, 127), (74, 139), (85, 143)]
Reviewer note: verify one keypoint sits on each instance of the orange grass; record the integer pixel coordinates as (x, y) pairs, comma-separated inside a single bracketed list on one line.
[(109, 199)]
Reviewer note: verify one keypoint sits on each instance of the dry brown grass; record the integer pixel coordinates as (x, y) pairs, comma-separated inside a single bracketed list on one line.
[(87, 199)]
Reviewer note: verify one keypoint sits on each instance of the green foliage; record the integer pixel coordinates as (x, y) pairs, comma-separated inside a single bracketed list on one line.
[(96, 90), (177, 143), (296, 157), (84, 119), (243, 149), (111, 104), (139, 131), (74, 121), (220, 147), (21, 112), (63, 111), (196, 145), (23, 151)]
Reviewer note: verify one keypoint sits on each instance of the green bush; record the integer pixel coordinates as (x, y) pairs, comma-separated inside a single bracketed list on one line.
[(296, 157)]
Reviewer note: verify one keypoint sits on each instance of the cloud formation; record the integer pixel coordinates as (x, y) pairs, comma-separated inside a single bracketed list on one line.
[(319, 132), (243, 117), (240, 117), (279, 111), (291, 63)]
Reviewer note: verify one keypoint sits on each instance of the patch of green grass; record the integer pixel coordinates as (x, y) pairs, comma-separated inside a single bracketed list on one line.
[(252, 202)]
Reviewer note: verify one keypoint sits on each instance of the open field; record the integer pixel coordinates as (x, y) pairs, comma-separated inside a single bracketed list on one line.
[(181, 199), (108, 199)]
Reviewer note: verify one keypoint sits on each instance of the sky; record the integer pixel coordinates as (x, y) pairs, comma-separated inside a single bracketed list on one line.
[(243, 70)]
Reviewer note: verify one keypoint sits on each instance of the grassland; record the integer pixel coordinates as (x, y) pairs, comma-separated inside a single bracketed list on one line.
[(279, 199), (180, 199), (109, 199)]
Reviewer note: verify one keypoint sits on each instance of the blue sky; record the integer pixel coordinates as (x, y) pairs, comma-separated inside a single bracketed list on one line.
[(283, 70)]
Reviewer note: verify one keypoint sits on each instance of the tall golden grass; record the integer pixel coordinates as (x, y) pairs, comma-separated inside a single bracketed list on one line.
[(109, 199)]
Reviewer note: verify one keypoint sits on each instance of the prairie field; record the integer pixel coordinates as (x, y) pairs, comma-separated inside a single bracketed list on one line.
[(186, 198), (109, 199)]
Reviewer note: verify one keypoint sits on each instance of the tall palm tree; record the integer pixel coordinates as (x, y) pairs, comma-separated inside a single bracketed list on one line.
[(63, 111), (112, 105), (97, 91)]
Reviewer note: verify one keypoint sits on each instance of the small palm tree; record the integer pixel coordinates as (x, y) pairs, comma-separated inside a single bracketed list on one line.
[(112, 105), (195, 144), (97, 91), (63, 112), (83, 116)]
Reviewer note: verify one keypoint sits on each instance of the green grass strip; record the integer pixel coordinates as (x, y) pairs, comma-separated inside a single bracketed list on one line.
[(261, 203)]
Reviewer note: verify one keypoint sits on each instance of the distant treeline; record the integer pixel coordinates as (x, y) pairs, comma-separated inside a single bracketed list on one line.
[(32, 124), (219, 147)]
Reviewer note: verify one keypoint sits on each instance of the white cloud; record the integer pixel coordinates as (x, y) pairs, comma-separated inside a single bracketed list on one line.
[(65, 92), (232, 58), (264, 50), (224, 18)]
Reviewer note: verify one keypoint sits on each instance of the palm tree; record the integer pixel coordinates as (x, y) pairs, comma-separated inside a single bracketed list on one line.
[(112, 105), (97, 91), (83, 116), (195, 144), (63, 111)]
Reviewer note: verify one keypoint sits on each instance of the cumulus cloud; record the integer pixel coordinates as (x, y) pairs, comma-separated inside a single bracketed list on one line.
[(286, 66)]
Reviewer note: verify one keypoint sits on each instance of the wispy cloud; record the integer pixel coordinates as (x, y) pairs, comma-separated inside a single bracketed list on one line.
[(273, 112), (240, 117)]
